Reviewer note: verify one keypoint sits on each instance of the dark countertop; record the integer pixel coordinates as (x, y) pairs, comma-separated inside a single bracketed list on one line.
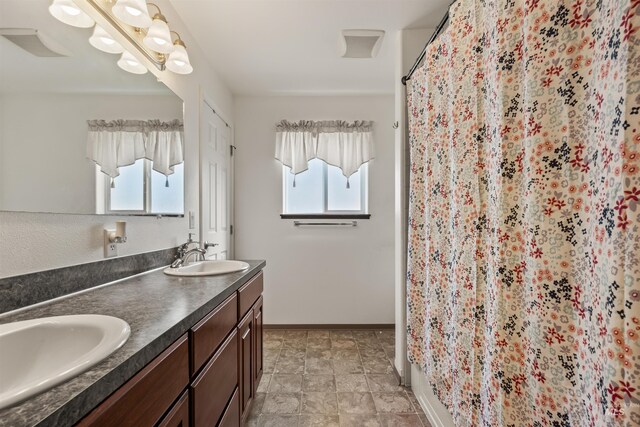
[(159, 309)]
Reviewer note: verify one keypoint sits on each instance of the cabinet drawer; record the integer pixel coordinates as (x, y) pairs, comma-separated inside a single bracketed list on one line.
[(231, 417), (209, 333), (148, 395), (211, 390), (178, 416), (249, 293)]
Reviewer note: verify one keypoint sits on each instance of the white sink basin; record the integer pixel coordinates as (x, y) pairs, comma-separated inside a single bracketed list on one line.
[(207, 268), (38, 354)]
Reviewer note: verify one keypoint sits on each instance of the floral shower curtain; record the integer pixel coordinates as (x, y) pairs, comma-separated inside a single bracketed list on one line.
[(524, 228)]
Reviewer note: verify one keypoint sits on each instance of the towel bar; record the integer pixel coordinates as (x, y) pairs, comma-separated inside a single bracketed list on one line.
[(349, 224)]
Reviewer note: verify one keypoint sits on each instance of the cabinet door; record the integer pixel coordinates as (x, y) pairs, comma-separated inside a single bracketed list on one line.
[(143, 400), (245, 363), (215, 385), (258, 356), (178, 416)]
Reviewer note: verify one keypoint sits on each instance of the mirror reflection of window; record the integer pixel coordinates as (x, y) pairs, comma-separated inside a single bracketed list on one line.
[(141, 190)]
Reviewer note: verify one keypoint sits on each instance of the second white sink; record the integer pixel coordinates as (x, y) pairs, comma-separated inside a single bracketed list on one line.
[(38, 354), (207, 268)]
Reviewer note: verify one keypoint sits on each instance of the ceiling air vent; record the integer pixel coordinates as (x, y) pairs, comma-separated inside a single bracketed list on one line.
[(360, 43), (33, 41)]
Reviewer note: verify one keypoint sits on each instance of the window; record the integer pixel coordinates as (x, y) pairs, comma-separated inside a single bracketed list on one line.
[(322, 190), (139, 189)]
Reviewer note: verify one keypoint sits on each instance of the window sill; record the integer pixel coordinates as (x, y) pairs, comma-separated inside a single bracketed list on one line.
[(325, 216)]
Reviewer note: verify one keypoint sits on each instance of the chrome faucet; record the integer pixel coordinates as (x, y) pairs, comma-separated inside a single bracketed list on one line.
[(184, 253)]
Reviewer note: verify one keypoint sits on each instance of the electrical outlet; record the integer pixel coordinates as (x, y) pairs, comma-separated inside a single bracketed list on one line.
[(110, 249), (192, 220)]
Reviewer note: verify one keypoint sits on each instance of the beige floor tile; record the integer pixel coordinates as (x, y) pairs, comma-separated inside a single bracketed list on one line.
[(282, 403), (272, 420), (258, 403), (345, 354), (274, 333), (356, 403), (395, 403), (376, 365), (315, 420), (319, 403), (384, 383), (341, 334), (360, 420), (318, 366), (293, 353), (319, 353), (289, 365), (343, 344), (320, 383), (400, 420), (263, 386), (318, 334), (351, 382), (347, 367), (295, 334), (318, 344), (285, 383)]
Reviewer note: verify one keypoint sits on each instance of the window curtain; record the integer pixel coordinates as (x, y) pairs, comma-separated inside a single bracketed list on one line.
[(344, 145), (113, 144), (523, 276)]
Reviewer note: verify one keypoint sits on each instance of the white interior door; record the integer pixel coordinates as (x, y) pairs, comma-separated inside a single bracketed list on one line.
[(215, 183)]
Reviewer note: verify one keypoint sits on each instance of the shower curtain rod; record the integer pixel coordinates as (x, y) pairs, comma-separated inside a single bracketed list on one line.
[(435, 34)]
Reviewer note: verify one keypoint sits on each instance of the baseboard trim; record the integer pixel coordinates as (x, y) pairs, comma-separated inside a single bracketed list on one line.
[(333, 326), (435, 411)]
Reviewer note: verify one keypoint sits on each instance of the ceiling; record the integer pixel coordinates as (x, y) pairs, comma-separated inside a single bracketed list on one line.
[(291, 46)]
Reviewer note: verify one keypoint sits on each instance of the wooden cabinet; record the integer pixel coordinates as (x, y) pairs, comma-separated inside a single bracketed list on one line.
[(232, 413), (258, 335), (210, 332), (250, 337), (144, 399), (246, 349), (207, 378), (215, 385), (178, 416)]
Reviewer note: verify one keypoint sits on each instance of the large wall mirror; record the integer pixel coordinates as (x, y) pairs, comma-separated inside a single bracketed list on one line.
[(79, 135)]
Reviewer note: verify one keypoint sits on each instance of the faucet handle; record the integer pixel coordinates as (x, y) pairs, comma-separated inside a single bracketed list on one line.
[(208, 245)]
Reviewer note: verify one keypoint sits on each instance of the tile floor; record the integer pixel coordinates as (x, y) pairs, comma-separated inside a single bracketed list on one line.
[(332, 378)]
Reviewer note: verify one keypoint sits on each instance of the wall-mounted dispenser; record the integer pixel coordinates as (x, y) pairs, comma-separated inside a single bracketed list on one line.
[(113, 237)]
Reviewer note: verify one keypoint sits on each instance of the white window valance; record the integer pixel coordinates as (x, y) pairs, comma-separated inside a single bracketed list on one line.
[(342, 144), (117, 143)]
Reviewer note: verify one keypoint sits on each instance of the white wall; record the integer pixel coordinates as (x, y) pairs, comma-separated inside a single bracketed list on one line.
[(44, 167), (315, 275), (36, 242)]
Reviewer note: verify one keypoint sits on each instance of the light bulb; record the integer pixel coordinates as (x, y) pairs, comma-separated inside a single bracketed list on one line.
[(132, 12), (158, 36), (178, 61), (130, 63), (68, 12), (101, 40)]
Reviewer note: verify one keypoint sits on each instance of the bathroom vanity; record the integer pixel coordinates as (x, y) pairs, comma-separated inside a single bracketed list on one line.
[(194, 357)]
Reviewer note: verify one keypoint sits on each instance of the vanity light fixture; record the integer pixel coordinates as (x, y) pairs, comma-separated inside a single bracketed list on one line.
[(103, 41), (178, 60), (130, 63), (132, 12), (68, 12), (151, 36)]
